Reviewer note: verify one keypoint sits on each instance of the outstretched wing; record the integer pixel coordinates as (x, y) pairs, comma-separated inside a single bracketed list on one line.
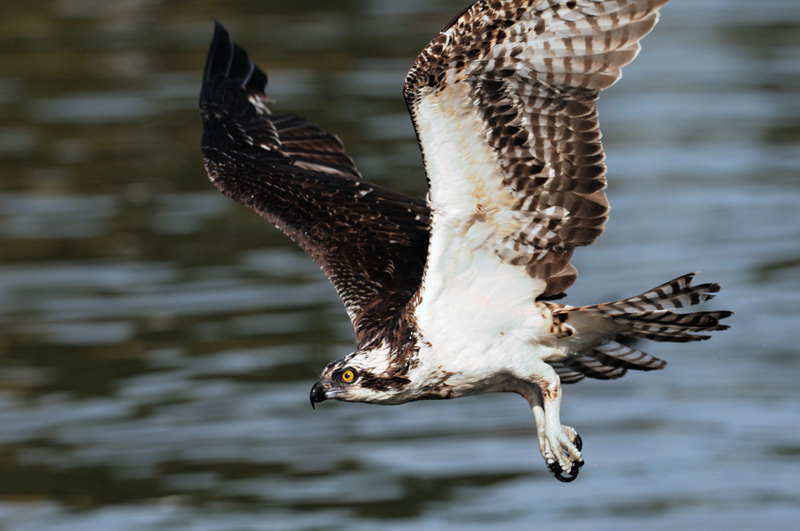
[(369, 241), (503, 101)]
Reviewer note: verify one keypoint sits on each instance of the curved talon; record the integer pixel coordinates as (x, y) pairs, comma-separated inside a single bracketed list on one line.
[(555, 468), (559, 474)]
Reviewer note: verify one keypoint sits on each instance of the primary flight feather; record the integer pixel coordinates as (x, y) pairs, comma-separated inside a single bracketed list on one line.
[(455, 297)]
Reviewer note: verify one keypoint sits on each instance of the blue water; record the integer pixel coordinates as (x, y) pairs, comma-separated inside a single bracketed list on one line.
[(158, 341)]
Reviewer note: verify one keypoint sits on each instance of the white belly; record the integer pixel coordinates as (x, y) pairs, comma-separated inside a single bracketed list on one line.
[(481, 320), (477, 314)]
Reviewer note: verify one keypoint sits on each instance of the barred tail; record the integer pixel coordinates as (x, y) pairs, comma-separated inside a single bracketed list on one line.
[(646, 316)]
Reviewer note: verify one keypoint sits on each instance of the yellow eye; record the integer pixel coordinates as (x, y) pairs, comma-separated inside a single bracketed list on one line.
[(348, 376)]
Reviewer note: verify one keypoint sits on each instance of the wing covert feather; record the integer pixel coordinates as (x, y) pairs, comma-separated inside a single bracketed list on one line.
[(528, 72), (299, 178)]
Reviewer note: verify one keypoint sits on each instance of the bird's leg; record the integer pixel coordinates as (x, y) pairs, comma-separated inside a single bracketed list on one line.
[(560, 445)]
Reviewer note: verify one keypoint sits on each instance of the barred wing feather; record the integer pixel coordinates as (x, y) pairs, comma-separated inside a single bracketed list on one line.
[(503, 102)]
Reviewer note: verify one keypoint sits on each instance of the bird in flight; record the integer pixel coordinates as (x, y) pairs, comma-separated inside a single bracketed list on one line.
[(455, 296)]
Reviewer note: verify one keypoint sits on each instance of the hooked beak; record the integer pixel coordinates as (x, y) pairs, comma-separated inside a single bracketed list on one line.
[(317, 394)]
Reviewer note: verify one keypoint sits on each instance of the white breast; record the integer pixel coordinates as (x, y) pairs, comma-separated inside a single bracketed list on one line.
[(477, 313)]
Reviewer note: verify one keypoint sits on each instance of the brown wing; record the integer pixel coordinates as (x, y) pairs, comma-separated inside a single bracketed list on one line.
[(514, 84), (369, 241)]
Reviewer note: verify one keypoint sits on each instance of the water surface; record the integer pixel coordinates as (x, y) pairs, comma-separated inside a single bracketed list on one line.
[(158, 341)]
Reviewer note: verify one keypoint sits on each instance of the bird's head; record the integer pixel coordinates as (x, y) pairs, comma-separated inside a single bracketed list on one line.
[(363, 376)]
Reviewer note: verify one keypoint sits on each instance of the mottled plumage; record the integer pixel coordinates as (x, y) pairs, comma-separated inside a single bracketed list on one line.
[(451, 298), (298, 177), (533, 70)]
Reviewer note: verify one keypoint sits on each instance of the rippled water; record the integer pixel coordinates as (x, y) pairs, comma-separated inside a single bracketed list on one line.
[(158, 341)]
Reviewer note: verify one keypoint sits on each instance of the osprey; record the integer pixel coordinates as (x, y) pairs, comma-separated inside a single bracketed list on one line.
[(454, 296)]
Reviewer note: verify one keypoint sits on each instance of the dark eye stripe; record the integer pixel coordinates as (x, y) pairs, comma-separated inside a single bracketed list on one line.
[(370, 381)]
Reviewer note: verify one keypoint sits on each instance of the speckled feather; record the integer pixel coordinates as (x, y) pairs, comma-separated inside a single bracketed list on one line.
[(533, 70), (645, 316), (446, 299), (528, 74)]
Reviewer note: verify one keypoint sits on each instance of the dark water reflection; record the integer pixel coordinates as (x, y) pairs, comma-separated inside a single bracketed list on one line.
[(157, 341)]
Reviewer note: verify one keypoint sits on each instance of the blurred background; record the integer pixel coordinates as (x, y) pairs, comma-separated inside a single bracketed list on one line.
[(158, 341)]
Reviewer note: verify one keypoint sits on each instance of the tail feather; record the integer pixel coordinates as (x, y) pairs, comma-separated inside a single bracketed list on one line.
[(676, 293), (665, 319), (568, 375), (619, 355), (607, 361), (594, 368), (647, 316), (669, 326)]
